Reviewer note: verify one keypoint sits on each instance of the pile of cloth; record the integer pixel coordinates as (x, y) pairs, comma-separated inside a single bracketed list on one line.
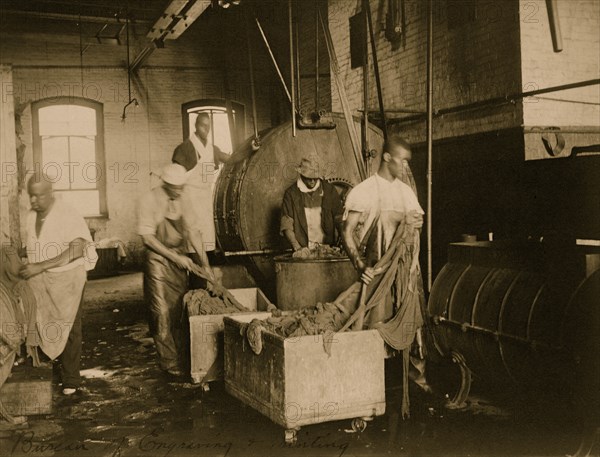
[(319, 252), (202, 302), (323, 319), (17, 319), (216, 299)]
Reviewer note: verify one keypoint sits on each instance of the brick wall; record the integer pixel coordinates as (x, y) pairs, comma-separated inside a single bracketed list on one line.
[(191, 68), (473, 61), (578, 61)]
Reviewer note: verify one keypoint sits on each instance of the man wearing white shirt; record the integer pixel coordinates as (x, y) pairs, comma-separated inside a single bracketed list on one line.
[(59, 251), (201, 159), (382, 222)]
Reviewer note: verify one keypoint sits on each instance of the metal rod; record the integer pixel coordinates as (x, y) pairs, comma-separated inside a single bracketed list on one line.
[(292, 69), (264, 37), (496, 334), (554, 20), (251, 71), (501, 100), (397, 110), (335, 70), (128, 61), (365, 119), (316, 56), (298, 81), (81, 47), (257, 252), (367, 6), (429, 142), (143, 55)]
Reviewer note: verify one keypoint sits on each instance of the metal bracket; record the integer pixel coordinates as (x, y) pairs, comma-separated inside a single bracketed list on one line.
[(460, 399)]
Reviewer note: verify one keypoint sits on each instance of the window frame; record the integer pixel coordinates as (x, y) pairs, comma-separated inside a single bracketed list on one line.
[(99, 142), (238, 133)]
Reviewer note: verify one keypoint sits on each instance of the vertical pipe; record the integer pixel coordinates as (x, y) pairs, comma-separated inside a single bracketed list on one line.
[(292, 73), (429, 139), (298, 80), (317, 56), (552, 7), (365, 124)]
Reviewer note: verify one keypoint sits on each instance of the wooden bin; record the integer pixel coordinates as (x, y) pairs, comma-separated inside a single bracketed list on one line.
[(28, 391), (206, 335), (294, 382)]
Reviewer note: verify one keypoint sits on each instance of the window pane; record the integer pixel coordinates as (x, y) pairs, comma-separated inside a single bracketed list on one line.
[(220, 122), (67, 120), (86, 202), (86, 172), (221, 133), (55, 152)]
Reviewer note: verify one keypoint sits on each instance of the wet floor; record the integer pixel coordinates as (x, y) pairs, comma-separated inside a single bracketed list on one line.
[(129, 408)]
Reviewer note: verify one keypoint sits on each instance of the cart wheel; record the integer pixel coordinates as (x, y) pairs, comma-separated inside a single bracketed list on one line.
[(205, 387), (291, 436), (359, 425)]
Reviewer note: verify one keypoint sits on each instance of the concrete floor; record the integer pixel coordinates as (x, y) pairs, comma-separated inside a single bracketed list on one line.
[(129, 408)]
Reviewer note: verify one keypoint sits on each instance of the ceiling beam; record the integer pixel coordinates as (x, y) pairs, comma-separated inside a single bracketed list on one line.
[(68, 17), (175, 20)]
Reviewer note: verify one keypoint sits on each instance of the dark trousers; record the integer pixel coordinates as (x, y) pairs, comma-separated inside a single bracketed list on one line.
[(70, 359)]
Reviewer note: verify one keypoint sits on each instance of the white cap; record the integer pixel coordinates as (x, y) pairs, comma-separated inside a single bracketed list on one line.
[(174, 174)]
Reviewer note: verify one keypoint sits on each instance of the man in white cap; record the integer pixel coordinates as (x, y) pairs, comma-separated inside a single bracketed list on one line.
[(168, 223), (311, 210)]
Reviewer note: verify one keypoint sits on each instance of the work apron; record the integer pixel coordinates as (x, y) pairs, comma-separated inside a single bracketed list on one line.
[(164, 287), (199, 186)]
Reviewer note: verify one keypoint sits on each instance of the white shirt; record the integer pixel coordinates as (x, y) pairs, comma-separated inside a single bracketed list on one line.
[(378, 196), (63, 224)]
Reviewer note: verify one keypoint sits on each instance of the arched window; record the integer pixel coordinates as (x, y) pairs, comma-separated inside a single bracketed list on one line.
[(68, 145), (227, 129)]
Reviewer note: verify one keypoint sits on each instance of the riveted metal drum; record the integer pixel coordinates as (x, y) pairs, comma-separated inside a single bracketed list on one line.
[(248, 194), (503, 307), (306, 282)]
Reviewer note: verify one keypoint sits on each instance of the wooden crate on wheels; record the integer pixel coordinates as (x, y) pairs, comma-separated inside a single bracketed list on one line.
[(295, 383), (206, 335)]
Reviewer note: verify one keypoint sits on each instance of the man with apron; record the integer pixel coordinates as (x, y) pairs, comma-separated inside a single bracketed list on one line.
[(168, 224), (59, 253), (201, 160)]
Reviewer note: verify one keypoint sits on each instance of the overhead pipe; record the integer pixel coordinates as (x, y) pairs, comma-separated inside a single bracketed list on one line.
[(511, 98), (553, 19), (429, 141), (68, 17)]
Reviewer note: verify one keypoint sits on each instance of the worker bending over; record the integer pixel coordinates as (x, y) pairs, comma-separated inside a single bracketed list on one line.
[(167, 223)]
